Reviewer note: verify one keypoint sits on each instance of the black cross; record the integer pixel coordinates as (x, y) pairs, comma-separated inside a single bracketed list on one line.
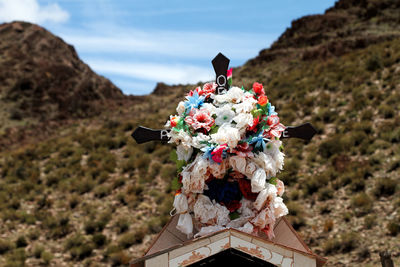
[(221, 64), (142, 134)]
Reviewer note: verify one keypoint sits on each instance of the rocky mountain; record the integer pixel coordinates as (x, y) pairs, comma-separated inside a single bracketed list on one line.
[(347, 26), (93, 196), (42, 79)]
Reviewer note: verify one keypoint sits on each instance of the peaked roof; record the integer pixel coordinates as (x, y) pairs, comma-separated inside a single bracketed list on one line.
[(170, 238)]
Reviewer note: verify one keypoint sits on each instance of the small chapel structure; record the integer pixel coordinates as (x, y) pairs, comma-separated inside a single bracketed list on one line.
[(229, 247)]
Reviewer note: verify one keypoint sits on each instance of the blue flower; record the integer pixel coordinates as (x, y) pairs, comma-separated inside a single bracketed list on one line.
[(271, 110), (222, 191), (259, 142), (207, 152), (193, 101)]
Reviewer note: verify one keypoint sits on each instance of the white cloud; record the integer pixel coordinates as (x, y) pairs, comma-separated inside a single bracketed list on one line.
[(32, 11), (171, 74), (150, 55), (178, 44)]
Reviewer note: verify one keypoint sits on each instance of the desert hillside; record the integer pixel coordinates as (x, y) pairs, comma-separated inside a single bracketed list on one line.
[(80, 192)]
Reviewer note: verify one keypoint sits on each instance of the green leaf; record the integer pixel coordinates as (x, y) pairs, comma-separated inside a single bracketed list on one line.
[(234, 215), (173, 156), (180, 164), (273, 180), (256, 112), (214, 129), (175, 185)]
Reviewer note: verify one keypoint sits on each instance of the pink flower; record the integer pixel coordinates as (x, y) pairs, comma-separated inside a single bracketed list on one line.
[(272, 120), (208, 89), (200, 119), (217, 153), (280, 186), (229, 73), (243, 150), (275, 128)]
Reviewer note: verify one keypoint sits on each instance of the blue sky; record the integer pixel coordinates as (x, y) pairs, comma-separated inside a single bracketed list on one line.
[(139, 43)]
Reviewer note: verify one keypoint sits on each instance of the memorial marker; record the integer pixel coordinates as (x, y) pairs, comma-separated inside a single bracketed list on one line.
[(221, 63)]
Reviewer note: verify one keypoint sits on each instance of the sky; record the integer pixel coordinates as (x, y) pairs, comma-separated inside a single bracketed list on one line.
[(136, 44)]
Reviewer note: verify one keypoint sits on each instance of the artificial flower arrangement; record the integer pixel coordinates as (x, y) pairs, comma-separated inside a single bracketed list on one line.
[(228, 155)]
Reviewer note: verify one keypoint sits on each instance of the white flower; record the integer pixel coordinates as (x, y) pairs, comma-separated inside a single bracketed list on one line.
[(280, 208), (192, 181), (206, 211), (274, 151), (199, 167), (222, 214), (251, 168), (243, 120), (180, 203), (180, 137), (246, 209), (224, 114), (238, 164), (267, 163), (258, 180), (268, 194), (247, 105), (196, 141), (183, 152), (218, 170), (226, 135), (185, 181), (185, 224), (210, 107), (233, 95), (247, 228), (259, 220), (180, 108)]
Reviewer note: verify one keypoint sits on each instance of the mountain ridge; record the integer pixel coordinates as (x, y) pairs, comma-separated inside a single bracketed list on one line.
[(42, 76)]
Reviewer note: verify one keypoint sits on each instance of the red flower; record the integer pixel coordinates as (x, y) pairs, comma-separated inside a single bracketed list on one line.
[(217, 153), (198, 89), (174, 121), (236, 175), (262, 100), (256, 121), (245, 188), (233, 205), (258, 88)]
